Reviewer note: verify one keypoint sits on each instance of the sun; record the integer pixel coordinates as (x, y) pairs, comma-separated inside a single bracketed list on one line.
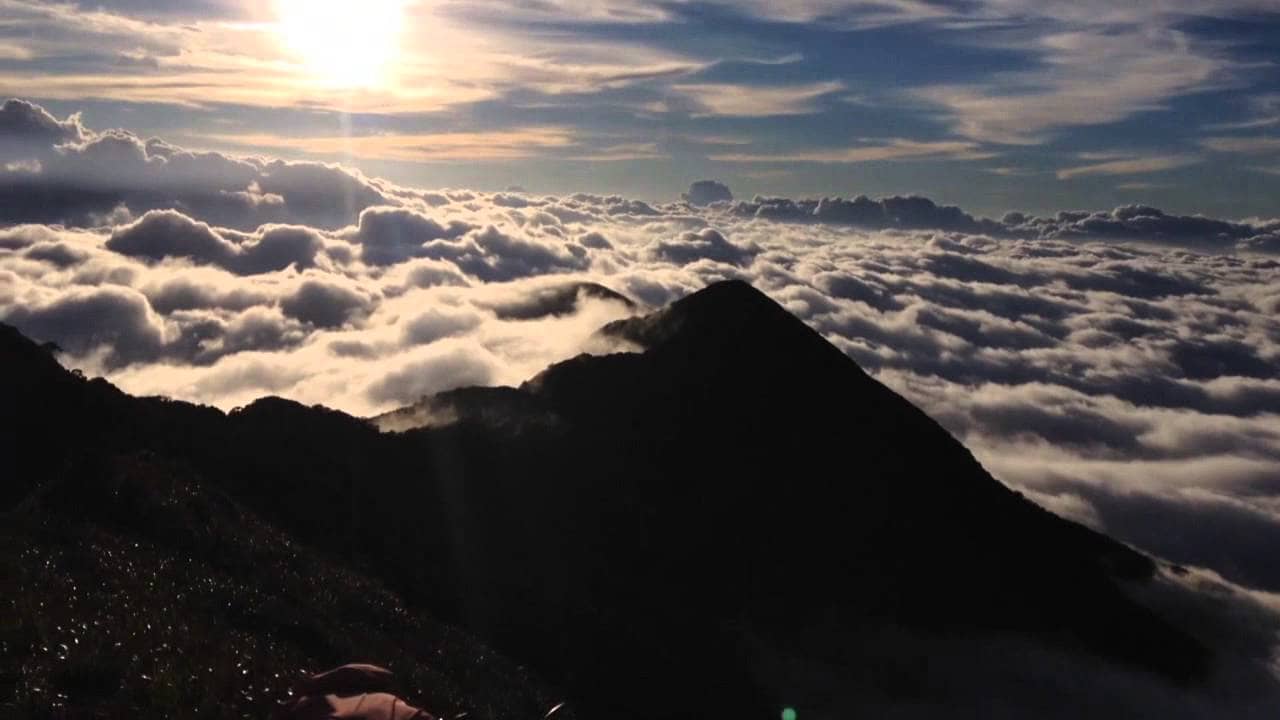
[(343, 43)]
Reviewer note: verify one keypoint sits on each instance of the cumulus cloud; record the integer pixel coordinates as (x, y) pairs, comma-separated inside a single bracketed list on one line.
[(115, 321), (325, 304), (493, 255), (162, 234), (1138, 223), (24, 125), (58, 171), (705, 192), (1121, 367), (906, 212), (706, 244), (389, 235)]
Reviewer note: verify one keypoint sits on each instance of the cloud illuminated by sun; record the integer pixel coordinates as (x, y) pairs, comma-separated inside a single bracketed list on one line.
[(343, 43)]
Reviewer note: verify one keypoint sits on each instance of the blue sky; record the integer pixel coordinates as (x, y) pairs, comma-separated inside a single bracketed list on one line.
[(993, 105)]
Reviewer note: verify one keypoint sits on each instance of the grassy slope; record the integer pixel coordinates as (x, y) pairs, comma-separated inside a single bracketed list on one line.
[(130, 589)]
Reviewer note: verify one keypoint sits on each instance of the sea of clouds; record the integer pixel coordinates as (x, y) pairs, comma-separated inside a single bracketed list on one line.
[(1121, 368)]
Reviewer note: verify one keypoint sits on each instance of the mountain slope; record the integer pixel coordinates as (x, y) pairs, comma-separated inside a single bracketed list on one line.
[(735, 519), (134, 590)]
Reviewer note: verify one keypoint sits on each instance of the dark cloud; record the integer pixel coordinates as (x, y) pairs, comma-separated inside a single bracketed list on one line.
[(276, 247), (1148, 224), (705, 245), (584, 206), (596, 241), (706, 192), (1230, 536), (24, 126), (166, 233), (77, 176), (970, 269), (512, 201), (205, 338), (982, 330), (117, 320), (324, 304), (188, 293), (495, 256), (162, 234), (1129, 222), (903, 212), (849, 287), (1136, 280), (59, 254), (321, 194), (1205, 359), (260, 329), (150, 9), (391, 235), (354, 349), (1061, 423)]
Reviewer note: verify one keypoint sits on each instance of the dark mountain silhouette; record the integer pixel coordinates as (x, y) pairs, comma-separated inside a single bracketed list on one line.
[(734, 520)]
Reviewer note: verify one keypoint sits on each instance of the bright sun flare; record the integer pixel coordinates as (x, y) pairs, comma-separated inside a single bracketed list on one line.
[(343, 43)]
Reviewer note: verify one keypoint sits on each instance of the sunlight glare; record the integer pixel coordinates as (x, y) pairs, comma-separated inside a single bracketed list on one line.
[(343, 43)]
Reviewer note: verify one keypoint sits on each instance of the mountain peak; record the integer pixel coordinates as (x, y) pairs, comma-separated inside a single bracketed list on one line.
[(729, 310), (19, 351)]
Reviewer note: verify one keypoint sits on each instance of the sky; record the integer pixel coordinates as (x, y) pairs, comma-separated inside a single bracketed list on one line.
[(1053, 226), (992, 105)]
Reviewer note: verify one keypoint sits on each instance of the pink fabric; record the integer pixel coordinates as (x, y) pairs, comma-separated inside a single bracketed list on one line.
[(349, 680), (366, 706), (351, 692)]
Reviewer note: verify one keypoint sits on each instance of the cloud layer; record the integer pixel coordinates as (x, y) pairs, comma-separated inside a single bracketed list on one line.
[(1120, 367)]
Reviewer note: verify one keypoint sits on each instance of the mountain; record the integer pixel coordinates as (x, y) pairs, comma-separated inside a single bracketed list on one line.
[(733, 520)]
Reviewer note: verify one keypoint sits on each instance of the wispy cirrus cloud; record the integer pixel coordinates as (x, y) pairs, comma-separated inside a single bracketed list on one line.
[(860, 14), (1084, 78), (1128, 166), (756, 100), (420, 147), (1243, 145), (1265, 113), (892, 149), (243, 56), (1138, 186)]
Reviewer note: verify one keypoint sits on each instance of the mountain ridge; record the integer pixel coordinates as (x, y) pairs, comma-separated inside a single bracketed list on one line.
[(704, 466)]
